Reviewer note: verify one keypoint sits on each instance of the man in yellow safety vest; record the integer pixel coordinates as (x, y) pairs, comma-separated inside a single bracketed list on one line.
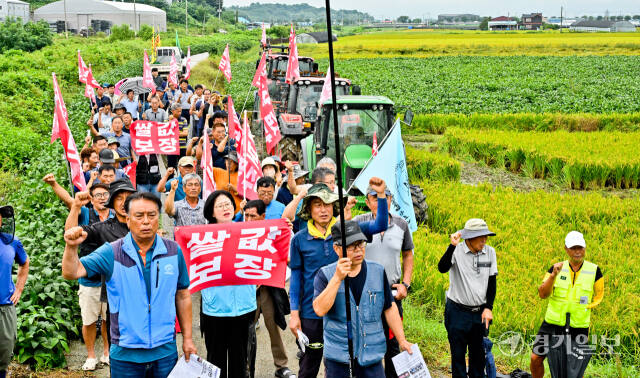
[(573, 286)]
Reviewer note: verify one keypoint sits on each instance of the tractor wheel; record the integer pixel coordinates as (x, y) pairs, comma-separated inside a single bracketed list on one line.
[(419, 203), (290, 149)]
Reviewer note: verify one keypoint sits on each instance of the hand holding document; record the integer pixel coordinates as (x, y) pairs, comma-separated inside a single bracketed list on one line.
[(197, 367), (411, 365)]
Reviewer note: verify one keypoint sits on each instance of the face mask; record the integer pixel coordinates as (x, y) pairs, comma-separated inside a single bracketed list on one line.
[(8, 228)]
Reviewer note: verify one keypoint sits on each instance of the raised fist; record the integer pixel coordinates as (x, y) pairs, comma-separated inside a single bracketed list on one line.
[(75, 236)]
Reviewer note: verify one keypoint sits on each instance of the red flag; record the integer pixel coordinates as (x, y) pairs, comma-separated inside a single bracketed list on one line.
[(271, 129), (261, 70), (148, 137), (130, 171), (225, 64), (293, 68), (209, 184), (173, 70), (83, 73), (88, 90), (235, 130), (187, 74), (244, 253), (374, 148), (326, 89), (147, 78), (248, 164), (60, 129), (263, 40)]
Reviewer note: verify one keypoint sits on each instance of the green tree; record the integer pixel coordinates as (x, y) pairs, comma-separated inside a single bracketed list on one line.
[(278, 31), (484, 24), (416, 21), (26, 37), (627, 18), (403, 19), (145, 32), (599, 18)]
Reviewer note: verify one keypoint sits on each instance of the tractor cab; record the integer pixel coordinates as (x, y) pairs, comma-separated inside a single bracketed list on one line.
[(359, 117), (303, 99)]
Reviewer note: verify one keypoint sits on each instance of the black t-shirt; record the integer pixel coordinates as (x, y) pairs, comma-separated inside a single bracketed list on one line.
[(356, 285)]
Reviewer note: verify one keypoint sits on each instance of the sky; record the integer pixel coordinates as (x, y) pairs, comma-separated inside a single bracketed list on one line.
[(428, 8)]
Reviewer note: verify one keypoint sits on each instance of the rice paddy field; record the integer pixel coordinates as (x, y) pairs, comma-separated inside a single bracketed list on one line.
[(428, 43)]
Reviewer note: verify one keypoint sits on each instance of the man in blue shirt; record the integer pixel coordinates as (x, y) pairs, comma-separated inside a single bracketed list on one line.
[(186, 165), (311, 249), (140, 265), (131, 104), (266, 189), (125, 149), (11, 251)]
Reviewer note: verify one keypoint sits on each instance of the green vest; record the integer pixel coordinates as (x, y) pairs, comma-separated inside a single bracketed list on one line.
[(572, 299)]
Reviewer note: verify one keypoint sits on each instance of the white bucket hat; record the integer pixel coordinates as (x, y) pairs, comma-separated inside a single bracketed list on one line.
[(474, 228)]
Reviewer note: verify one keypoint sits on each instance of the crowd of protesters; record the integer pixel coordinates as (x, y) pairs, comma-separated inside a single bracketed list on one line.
[(116, 248)]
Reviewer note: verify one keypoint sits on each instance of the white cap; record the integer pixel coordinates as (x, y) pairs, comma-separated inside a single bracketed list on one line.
[(574, 238)]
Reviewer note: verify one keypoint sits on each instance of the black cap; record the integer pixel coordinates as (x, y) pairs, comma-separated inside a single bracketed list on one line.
[(118, 106), (352, 230), (120, 185), (107, 157), (232, 155), (6, 211)]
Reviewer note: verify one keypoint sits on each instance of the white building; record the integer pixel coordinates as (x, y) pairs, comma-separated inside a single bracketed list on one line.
[(603, 26), (15, 9), (82, 14)]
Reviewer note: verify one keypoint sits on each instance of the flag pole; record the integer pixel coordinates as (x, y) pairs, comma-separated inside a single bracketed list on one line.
[(336, 133), (246, 99), (244, 154)]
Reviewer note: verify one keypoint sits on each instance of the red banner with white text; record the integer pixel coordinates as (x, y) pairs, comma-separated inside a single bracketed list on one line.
[(149, 137), (60, 129), (246, 253), (271, 129), (249, 170)]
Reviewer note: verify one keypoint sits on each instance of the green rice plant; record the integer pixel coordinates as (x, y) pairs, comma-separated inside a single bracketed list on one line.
[(425, 165), (530, 230), (583, 160)]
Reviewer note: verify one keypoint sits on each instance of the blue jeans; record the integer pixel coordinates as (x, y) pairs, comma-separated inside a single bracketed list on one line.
[(154, 369), (335, 369), (151, 188)]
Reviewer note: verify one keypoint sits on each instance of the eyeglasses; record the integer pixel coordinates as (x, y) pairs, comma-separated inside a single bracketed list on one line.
[(358, 245), (101, 195), (222, 206)]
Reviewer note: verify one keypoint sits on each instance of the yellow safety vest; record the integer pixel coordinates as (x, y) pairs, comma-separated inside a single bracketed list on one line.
[(566, 298)]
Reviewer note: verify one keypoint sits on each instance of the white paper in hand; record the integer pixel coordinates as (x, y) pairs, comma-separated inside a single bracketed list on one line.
[(303, 340), (411, 365), (195, 368)]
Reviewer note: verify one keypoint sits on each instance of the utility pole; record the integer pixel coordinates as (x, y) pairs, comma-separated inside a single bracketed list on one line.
[(66, 34), (186, 17), (561, 10), (204, 17), (219, 9), (135, 17)]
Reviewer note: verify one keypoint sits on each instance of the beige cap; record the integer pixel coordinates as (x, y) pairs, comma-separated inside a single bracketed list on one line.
[(187, 160)]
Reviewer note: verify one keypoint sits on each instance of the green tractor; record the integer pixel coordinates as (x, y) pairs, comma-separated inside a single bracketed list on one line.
[(358, 118)]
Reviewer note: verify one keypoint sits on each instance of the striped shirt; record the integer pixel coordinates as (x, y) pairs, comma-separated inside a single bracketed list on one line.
[(185, 215)]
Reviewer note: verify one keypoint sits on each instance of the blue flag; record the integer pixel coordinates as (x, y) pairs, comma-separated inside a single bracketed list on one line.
[(390, 165)]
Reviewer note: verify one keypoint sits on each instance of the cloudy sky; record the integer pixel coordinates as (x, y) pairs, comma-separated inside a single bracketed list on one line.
[(426, 8)]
